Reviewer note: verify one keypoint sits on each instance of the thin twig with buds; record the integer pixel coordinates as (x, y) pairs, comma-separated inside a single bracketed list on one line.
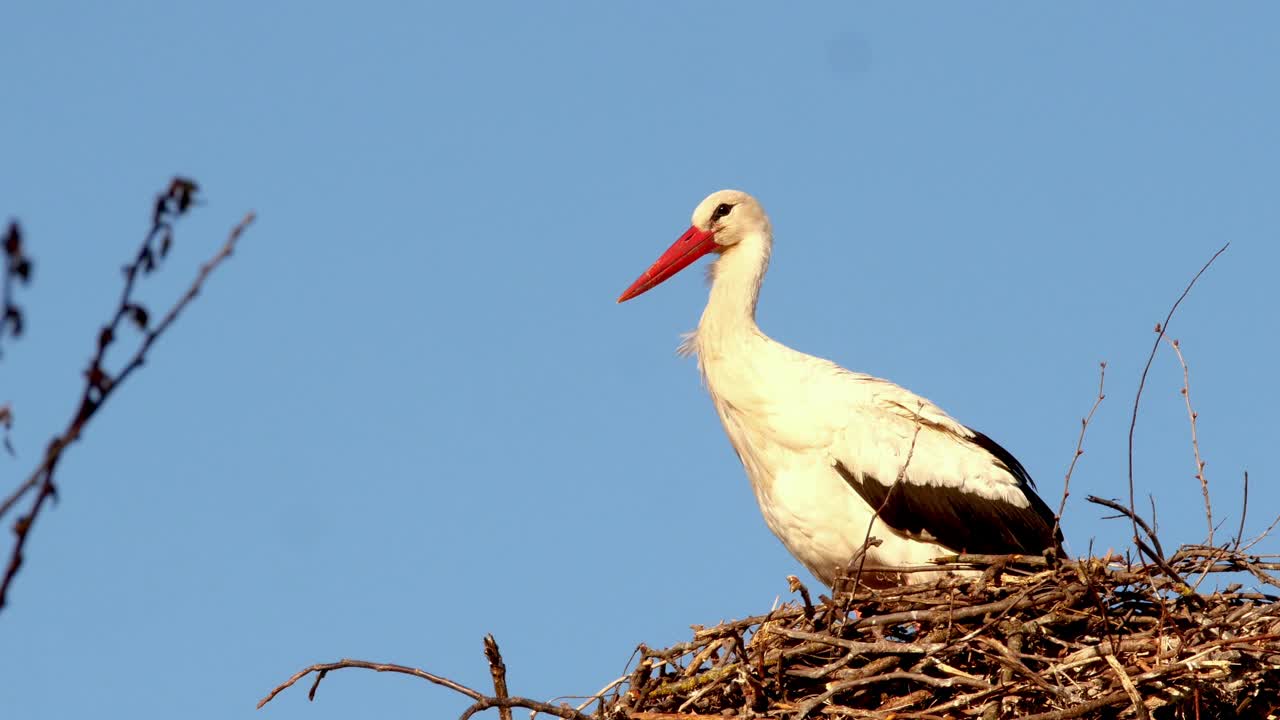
[(1193, 416), (1160, 330), (99, 382), (1084, 426)]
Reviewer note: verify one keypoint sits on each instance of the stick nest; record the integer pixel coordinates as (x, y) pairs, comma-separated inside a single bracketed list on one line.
[(1019, 637)]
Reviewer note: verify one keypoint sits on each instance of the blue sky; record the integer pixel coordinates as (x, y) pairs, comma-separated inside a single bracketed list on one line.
[(408, 412)]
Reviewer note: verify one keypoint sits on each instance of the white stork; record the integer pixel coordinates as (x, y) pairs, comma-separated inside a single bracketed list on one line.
[(831, 452)]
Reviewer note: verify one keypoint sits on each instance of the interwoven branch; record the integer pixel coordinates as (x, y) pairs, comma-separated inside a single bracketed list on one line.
[(1034, 639), (1030, 636)]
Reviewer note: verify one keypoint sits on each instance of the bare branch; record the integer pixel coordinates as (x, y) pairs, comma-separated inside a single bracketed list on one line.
[(561, 711), (322, 669), (17, 267), (99, 384), (6, 424), (498, 670), (1154, 551), (1084, 426), (796, 586), (482, 701), (1139, 708), (1142, 381), (1192, 417), (869, 542), (1244, 511)]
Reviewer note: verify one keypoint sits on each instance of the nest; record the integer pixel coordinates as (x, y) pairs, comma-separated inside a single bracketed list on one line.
[(1019, 637), (997, 637)]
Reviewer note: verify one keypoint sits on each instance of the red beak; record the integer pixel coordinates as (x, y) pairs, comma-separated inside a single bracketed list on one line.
[(693, 244)]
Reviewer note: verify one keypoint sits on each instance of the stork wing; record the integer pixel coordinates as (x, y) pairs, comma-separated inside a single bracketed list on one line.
[(933, 479)]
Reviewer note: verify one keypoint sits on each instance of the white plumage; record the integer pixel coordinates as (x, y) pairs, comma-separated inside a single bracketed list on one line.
[(829, 451)]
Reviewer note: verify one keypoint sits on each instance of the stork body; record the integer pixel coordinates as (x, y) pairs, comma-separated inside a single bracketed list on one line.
[(836, 456)]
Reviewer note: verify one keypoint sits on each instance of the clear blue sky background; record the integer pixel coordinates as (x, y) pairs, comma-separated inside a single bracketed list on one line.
[(408, 412)]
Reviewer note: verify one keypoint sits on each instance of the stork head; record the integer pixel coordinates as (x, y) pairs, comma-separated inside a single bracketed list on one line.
[(720, 221)]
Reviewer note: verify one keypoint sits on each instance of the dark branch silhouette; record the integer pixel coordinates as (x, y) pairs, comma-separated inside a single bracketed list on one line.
[(1161, 329), (17, 269), (482, 702), (99, 381), (1084, 427)]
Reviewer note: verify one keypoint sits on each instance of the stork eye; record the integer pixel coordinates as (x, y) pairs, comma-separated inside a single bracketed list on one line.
[(721, 210)]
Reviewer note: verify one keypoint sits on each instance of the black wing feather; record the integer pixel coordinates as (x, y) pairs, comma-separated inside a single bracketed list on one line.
[(960, 520)]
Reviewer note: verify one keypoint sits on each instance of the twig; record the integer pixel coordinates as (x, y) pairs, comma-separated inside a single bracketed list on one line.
[(947, 613), (482, 702), (798, 587), (1155, 519), (882, 647), (1139, 708), (1142, 381), (1192, 417), (902, 474), (99, 385), (1244, 511), (498, 670), (672, 716), (848, 582), (1084, 426), (17, 266), (1133, 516), (6, 424), (323, 668), (1103, 615), (1011, 561), (1263, 535), (1000, 609), (1009, 658), (599, 696), (1153, 551), (561, 711), (808, 707), (1082, 709)]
